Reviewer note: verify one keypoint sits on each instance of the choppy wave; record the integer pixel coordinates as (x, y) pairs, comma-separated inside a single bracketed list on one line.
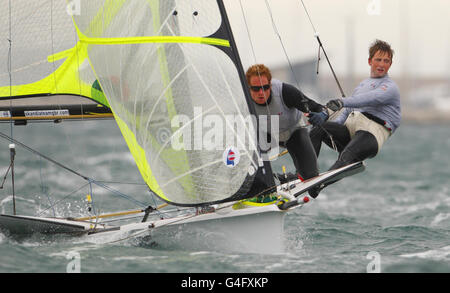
[(399, 207), (440, 218), (440, 254), (417, 266)]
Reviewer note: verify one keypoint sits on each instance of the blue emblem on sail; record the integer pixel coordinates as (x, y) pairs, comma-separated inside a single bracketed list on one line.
[(231, 157)]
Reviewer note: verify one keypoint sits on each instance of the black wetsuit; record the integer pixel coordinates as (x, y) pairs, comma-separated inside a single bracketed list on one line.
[(363, 145), (299, 143)]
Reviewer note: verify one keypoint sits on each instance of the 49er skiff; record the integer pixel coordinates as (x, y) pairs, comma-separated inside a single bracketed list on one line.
[(157, 67)]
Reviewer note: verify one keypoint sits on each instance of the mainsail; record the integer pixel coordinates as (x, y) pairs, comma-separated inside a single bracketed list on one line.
[(166, 67), (44, 70)]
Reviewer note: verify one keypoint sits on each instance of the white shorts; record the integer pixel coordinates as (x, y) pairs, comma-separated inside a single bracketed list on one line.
[(357, 121)]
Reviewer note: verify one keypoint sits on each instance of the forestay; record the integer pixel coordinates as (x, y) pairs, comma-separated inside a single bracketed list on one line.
[(167, 67)]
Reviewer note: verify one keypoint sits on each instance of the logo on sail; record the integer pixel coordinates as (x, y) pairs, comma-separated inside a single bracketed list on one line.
[(231, 157)]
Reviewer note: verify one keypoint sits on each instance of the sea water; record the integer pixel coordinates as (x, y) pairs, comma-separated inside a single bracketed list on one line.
[(393, 217)]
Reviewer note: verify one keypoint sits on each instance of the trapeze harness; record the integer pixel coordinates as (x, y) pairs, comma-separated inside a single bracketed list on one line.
[(291, 132), (371, 115)]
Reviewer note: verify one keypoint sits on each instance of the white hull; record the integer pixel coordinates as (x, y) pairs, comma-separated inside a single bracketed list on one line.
[(251, 229), (246, 227), (255, 229)]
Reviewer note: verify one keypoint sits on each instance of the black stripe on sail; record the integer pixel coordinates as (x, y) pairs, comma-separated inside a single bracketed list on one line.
[(264, 176)]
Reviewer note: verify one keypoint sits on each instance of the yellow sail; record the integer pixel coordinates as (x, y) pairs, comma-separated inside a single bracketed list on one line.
[(47, 70), (164, 67)]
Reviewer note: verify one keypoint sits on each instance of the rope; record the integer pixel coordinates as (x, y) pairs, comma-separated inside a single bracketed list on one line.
[(309, 17), (10, 67), (58, 201), (289, 61), (323, 49), (281, 43)]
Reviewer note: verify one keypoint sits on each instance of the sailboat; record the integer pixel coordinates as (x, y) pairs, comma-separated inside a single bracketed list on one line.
[(157, 68)]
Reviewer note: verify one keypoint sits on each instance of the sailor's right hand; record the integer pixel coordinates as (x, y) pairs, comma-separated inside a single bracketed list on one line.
[(317, 118)]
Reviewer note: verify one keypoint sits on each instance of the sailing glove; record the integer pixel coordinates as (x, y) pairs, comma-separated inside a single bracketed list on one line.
[(317, 118), (335, 105)]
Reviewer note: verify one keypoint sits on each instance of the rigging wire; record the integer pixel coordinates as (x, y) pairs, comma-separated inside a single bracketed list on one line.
[(260, 163), (309, 17), (12, 149), (281, 43), (291, 67), (10, 67), (248, 32), (78, 47), (43, 187), (61, 200), (321, 47), (90, 180), (56, 79), (53, 47), (316, 34), (276, 31)]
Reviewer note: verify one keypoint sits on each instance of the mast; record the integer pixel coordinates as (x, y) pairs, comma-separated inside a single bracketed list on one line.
[(264, 170), (12, 149), (236, 57)]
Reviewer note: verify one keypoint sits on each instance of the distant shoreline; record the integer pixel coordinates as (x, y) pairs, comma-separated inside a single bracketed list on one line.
[(426, 116)]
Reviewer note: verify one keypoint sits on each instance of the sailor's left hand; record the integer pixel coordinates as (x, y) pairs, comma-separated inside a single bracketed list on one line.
[(335, 105)]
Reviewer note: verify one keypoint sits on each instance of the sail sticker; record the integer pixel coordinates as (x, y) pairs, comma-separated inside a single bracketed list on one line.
[(231, 157), (42, 113)]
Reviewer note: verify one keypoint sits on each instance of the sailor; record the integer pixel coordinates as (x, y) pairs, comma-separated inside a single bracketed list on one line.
[(367, 118), (273, 97)]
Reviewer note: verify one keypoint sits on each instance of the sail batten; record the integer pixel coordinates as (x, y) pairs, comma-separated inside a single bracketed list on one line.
[(159, 39)]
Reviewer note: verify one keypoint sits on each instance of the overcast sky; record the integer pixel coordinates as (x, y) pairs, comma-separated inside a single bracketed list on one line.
[(418, 30)]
